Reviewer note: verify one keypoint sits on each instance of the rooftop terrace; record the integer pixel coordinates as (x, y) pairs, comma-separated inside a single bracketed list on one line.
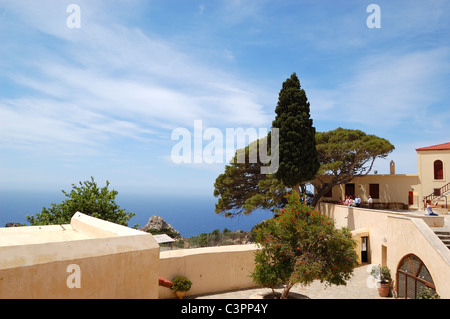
[(113, 261), (15, 236)]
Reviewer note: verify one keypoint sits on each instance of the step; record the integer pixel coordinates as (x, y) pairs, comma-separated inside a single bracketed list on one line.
[(444, 236), (440, 232)]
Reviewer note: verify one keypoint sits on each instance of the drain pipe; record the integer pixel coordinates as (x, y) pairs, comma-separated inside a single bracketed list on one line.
[(163, 282)]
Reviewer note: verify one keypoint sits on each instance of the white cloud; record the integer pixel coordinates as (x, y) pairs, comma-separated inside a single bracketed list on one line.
[(109, 80), (45, 124), (385, 90)]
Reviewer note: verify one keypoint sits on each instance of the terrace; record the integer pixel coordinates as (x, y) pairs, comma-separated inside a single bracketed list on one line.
[(119, 262)]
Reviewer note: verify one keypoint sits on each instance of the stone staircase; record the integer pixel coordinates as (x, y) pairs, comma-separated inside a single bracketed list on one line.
[(444, 236), (442, 194)]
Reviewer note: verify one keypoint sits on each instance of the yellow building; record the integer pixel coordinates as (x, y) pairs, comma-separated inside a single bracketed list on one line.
[(433, 171), (403, 191), (412, 245)]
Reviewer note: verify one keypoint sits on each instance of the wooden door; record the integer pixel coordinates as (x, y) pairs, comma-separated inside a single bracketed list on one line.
[(350, 190)]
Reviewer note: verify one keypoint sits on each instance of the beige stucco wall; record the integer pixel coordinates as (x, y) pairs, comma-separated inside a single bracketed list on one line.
[(425, 170), (393, 188), (114, 261), (211, 269), (395, 235), (412, 236)]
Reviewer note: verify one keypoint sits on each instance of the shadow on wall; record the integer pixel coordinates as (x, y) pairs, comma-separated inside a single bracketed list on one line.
[(351, 219)]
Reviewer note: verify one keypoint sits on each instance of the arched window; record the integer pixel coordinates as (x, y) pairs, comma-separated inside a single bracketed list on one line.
[(412, 275), (438, 170)]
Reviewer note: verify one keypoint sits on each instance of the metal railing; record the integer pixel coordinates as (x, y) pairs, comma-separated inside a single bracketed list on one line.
[(442, 193)]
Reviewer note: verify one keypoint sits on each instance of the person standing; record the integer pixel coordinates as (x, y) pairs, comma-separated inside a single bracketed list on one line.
[(357, 201), (346, 201), (351, 202), (370, 201)]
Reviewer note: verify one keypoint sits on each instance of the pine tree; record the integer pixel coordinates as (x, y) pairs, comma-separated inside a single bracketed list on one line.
[(242, 189), (297, 148)]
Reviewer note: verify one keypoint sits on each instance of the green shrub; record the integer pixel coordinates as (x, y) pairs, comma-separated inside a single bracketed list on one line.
[(181, 283), (427, 293)]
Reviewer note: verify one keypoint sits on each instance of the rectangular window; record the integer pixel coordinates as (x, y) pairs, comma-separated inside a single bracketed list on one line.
[(374, 191), (329, 193)]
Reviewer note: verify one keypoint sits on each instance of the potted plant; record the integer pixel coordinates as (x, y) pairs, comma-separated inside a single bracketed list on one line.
[(383, 274), (180, 285), (427, 293)]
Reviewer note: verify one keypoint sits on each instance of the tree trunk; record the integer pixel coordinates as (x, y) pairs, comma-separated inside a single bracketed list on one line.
[(296, 189), (320, 193), (286, 290), (321, 190)]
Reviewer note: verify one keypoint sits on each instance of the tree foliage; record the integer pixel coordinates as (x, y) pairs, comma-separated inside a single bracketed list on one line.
[(88, 199), (303, 156), (344, 154), (301, 245), (242, 188), (297, 150)]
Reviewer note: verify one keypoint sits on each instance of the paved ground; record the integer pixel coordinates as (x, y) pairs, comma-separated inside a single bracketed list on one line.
[(360, 286)]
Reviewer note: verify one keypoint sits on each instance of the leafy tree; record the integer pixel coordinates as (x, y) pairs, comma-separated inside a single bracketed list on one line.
[(297, 149), (301, 245), (242, 188), (345, 154), (88, 199)]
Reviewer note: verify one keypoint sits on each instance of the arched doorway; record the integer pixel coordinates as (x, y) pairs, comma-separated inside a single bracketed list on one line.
[(412, 275)]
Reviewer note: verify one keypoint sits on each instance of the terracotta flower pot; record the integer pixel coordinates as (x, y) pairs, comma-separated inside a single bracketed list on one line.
[(384, 289), (180, 294)]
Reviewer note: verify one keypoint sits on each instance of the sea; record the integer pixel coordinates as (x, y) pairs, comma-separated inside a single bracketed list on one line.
[(190, 215)]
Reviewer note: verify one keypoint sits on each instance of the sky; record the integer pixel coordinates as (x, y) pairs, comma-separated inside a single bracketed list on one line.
[(98, 90)]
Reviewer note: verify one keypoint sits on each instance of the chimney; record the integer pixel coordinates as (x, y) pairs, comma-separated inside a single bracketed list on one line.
[(392, 167)]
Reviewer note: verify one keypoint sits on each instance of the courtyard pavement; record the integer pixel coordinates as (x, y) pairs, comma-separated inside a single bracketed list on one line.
[(360, 286)]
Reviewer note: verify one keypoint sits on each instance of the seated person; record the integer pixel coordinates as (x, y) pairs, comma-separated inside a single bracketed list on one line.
[(430, 210)]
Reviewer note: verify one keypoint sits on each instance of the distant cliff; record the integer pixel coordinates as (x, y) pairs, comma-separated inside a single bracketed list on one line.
[(157, 225), (13, 225)]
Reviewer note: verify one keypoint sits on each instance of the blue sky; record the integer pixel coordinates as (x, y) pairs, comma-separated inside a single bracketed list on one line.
[(102, 100)]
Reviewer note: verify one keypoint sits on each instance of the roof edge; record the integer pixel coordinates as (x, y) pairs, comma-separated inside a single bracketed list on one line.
[(437, 147)]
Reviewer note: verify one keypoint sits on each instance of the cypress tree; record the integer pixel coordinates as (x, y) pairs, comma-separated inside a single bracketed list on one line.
[(298, 156)]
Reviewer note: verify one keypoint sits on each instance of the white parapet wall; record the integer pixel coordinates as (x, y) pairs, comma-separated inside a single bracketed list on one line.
[(88, 258)]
